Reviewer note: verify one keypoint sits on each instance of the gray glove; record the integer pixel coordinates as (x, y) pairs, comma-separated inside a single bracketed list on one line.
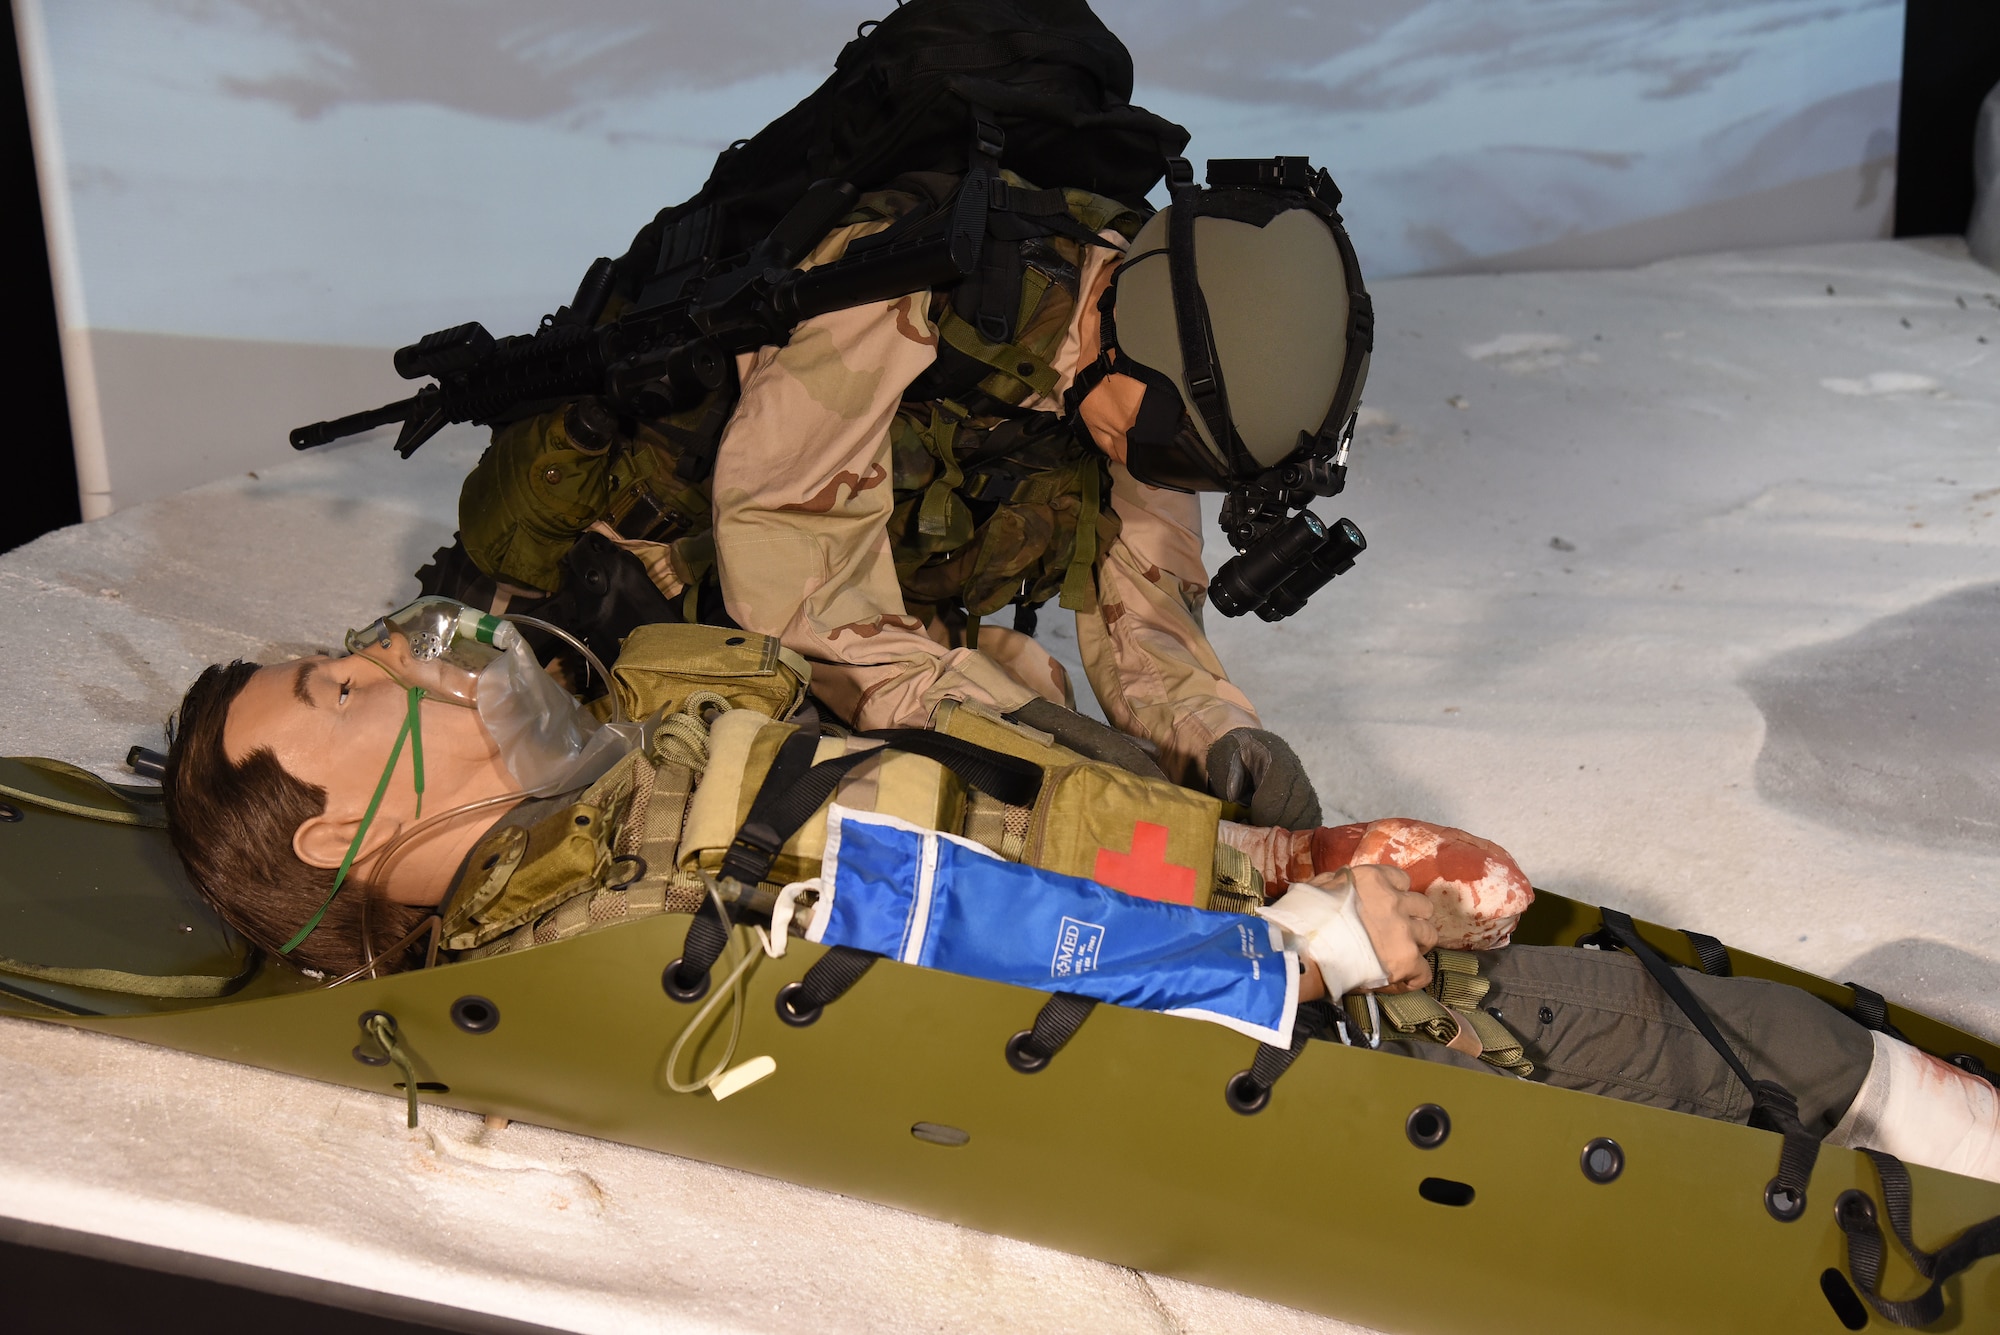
[(1260, 770), (1087, 737)]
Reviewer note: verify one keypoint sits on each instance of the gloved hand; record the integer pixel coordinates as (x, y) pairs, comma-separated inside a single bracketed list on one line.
[(1260, 770)]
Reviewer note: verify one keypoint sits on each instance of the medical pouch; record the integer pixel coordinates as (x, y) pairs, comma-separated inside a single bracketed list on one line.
[(742, 745), (1146, 837)]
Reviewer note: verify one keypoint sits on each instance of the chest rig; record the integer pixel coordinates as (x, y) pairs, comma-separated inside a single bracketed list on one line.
[(998, 503)]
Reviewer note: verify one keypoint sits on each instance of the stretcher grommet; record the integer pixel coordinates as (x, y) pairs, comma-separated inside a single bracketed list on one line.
[(1427, 1126), (9, 814), (792, 1015), (1603, 1160), (1853, 1209), (1784, 1203), (1023, 1057), (475, 1015), (679, 988), (1243, 1094), (361, 1052)]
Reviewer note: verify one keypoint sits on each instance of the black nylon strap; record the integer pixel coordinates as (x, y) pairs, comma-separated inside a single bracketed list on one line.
[(1774, 1107), (831, 975), (1714, 956), (1057, 1022), (1011, 779), (1855, 1214), (706, 937), (1199, 369), (756, 845), (1871, 1011), (1272, 1061)]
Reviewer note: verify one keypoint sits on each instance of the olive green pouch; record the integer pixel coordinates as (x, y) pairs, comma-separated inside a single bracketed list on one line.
[(530, 495), (661, 665)]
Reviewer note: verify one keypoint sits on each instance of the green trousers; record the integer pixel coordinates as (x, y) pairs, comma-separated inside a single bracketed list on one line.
[(1596, 1021)]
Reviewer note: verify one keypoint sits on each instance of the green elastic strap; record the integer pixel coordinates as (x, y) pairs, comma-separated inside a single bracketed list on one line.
[(413, 731), (1079, 588)]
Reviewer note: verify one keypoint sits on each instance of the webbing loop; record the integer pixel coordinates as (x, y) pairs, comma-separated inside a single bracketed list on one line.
[(1855, 1213), (1056, 1024), (827, 981), (1250, 1091)]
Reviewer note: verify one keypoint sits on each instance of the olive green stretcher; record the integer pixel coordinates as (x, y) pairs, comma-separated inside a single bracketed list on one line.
[(1122, 1149)]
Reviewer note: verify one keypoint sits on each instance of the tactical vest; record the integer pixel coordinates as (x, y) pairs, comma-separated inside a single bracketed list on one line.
[(995, 504), (641, 839)]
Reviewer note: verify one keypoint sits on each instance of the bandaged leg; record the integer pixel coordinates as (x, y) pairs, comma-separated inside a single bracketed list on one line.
[(1924, 1110), (1478, 890)]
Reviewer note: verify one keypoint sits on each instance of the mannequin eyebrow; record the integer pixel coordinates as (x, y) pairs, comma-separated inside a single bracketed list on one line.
[(302, 684)]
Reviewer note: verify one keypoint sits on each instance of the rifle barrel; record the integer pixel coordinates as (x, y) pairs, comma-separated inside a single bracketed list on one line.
[(325, 433)]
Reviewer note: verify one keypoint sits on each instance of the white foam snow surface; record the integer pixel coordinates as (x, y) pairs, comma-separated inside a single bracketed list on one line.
[(1611, 514)]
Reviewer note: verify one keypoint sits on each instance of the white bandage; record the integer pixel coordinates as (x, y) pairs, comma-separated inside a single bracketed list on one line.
[(1924, 1110), (1326, 924)]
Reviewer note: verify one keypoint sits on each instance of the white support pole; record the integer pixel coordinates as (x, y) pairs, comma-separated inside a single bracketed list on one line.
[(86, 417)]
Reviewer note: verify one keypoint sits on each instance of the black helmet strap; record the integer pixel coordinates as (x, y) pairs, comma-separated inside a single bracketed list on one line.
[(1201, 369)]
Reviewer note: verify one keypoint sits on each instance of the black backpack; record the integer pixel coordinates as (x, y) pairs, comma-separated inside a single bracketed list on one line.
[(1040, 85)]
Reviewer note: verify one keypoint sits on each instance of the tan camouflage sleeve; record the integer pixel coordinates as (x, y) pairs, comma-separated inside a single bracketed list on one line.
[(1148, 659), (802, 502)]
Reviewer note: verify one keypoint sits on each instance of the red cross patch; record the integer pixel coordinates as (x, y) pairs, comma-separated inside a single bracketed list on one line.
[(1145, 871)]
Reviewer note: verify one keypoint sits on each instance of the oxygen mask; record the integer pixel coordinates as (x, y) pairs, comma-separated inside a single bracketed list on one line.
[(459, 655), (437, 644)]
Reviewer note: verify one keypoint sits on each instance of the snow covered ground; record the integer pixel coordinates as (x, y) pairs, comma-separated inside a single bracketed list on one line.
[(1682, 585)]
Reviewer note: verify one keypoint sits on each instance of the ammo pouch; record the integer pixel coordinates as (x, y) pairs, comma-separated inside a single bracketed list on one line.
[(537, 488), (1446, 1012), (529, 497)]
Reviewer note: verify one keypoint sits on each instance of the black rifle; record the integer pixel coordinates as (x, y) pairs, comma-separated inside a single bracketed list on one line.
[(674, 346)]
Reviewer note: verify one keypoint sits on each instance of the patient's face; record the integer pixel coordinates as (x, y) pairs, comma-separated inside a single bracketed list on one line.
[(332, 722)]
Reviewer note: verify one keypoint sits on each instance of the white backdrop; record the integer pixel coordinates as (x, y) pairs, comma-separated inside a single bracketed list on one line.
[(311, 176)]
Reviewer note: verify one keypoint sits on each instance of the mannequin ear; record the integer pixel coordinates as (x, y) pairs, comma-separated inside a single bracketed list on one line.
[(322, 840)]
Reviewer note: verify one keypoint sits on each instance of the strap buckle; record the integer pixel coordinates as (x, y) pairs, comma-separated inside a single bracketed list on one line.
[(989, 141)]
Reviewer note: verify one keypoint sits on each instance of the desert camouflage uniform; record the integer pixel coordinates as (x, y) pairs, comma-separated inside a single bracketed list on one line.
[(802, 499)]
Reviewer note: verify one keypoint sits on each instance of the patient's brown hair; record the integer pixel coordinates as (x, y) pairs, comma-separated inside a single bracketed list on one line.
[(232, 825)]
